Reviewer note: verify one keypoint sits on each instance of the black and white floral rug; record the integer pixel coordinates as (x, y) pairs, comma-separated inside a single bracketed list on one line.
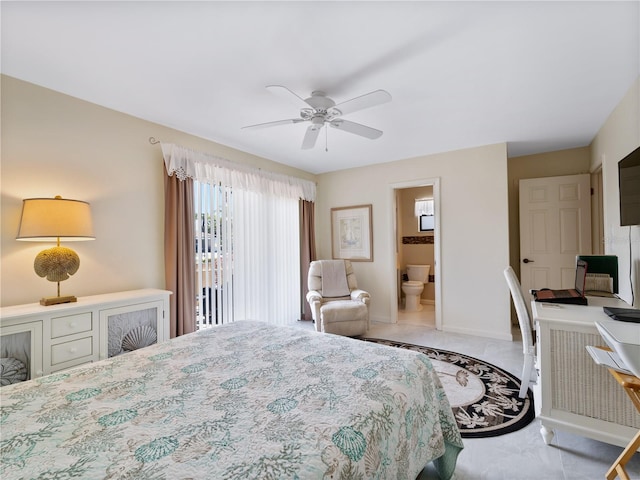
[(483, 397)]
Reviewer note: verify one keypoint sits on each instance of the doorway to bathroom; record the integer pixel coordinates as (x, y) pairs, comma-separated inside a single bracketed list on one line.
[(416, 241)]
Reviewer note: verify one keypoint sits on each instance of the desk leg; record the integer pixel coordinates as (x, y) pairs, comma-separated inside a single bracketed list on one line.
[(617, 469), (547, 435)]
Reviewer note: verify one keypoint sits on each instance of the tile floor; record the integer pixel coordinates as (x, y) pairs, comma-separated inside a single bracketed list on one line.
[(520, 455)]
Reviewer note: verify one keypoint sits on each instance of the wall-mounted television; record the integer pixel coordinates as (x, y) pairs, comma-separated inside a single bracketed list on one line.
[(629, 185)]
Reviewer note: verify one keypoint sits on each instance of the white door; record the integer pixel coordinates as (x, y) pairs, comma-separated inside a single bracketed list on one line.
[(555, 226)]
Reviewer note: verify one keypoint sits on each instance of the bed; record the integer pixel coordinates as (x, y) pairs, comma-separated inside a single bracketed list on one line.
[(237, 401)]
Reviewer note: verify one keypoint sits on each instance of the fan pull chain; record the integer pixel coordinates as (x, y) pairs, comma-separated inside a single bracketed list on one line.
[(326, 139)]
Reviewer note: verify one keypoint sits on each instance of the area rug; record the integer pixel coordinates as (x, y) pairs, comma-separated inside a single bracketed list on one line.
[(483, 397)]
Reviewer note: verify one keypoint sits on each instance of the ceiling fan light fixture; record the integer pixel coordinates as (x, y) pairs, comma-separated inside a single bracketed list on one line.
[(306, 113), (317, 122), (332, 113)]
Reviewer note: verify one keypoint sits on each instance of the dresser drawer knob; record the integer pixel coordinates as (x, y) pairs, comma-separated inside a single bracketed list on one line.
[(73, 350), (73, 324)]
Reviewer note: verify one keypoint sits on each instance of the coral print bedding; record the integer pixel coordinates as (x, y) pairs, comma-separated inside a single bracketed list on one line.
[(245, 400)]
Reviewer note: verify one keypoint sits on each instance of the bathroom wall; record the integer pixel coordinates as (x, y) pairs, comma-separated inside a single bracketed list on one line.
[(412, 250)]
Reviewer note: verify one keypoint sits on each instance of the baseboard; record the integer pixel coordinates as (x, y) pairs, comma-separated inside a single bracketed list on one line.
[(383, 320), (478, 333)]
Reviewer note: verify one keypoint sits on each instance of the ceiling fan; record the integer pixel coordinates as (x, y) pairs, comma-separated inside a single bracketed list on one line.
[(319, 110)]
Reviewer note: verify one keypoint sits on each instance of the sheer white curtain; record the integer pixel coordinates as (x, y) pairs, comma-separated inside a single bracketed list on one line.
[(247, 233)]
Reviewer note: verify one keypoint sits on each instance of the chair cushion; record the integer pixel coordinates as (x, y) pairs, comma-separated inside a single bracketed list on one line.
[(343, 311)]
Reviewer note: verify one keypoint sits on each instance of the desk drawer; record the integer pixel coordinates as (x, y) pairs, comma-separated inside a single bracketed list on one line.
[(65, 352), (70, 324)]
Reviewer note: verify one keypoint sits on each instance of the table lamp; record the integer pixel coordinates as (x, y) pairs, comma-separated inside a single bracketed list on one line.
[(52, 219)]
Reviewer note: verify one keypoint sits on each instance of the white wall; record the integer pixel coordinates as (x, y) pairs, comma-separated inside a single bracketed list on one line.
[(53, 144), (474, 233), (618, 137)]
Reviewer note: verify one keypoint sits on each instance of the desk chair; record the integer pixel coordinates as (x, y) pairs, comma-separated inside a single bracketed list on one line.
[(529, 373)]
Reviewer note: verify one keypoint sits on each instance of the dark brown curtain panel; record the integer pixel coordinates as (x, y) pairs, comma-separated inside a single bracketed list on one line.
[(179, 253), (307, 253)]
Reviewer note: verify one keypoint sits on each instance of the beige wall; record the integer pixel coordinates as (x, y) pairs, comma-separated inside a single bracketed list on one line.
[(474, 233), (551, 164), (53, 144), (618, 137)]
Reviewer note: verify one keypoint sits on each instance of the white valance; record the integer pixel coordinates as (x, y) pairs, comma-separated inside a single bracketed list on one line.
[(205, 168), (424, 206)]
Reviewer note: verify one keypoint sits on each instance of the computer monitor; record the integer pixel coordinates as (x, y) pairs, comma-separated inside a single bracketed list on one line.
[(602, 264)]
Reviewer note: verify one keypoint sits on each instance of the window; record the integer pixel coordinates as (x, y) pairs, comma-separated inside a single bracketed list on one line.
[(425, 213), (426, 223), (247, 238), (214, 254)]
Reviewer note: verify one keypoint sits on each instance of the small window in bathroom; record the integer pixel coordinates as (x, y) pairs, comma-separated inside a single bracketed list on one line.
[(426, 223), (424, 212)]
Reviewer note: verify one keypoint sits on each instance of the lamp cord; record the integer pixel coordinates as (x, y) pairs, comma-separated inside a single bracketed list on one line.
[(58, 244)]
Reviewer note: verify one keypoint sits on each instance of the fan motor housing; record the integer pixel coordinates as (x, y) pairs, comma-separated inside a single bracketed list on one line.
[(319, 101)]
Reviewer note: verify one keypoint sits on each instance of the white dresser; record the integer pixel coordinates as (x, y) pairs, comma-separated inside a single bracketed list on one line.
[(53, 338), (577, 394)]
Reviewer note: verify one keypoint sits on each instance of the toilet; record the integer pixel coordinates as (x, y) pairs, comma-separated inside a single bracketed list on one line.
[(418, 276)]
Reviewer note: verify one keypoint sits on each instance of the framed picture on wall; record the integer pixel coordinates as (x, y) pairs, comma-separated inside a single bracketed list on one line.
[(352, 233)]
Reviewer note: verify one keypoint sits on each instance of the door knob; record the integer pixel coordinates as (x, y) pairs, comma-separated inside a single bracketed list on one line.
[(526, 260)]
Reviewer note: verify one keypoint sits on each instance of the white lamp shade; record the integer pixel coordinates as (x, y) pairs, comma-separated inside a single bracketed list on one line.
[(47, 219)]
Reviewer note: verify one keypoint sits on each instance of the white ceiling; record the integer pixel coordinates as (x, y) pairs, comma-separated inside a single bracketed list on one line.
[(540, 76)]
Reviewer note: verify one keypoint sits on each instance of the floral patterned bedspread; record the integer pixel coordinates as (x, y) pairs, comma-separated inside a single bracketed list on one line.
[(245, 400)]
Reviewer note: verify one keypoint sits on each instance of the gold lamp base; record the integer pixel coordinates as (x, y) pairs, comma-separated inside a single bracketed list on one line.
[(56, 300), (57, 263)]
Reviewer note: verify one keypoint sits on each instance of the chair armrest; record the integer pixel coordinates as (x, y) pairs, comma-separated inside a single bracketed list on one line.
[(360, 295), (315, 302), (314, 296)]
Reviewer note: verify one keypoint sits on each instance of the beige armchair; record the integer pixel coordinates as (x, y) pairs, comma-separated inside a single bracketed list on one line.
[(337, 304)]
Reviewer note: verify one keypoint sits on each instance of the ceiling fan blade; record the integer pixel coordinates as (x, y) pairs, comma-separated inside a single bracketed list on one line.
[(363, 101), (288, 95), (310, 137), (357, 128), (277, 122)]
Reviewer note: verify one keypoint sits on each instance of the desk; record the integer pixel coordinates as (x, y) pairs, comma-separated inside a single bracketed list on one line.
[(577, 395)]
